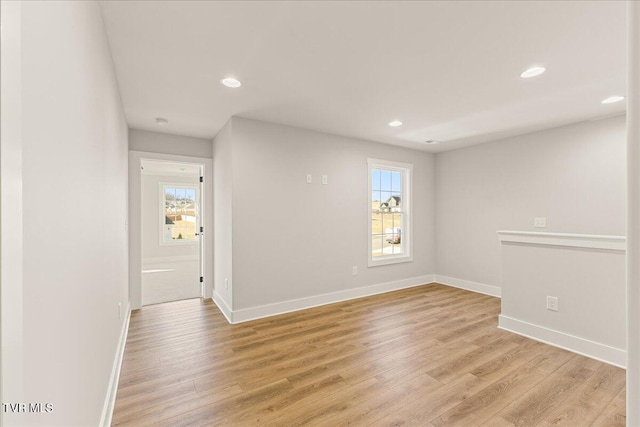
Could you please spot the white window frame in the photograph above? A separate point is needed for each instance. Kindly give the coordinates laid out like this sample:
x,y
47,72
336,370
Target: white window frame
x,y
407,218
163,187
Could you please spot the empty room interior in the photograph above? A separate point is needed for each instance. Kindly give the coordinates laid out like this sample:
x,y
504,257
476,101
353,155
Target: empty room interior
x,y
286,213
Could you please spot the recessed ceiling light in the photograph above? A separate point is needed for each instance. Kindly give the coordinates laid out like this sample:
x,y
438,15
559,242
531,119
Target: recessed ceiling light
x,y
431,142
231,82
395,123
161,121
612,99
532,72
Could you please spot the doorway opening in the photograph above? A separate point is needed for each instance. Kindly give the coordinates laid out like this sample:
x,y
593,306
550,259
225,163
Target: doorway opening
x,y
172,230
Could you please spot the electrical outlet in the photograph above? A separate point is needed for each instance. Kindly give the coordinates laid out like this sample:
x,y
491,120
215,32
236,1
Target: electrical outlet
x,y
354,272
309,178
226,283
552,303
540,222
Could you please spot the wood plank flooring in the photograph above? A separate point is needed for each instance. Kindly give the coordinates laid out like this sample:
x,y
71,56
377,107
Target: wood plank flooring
x,y
425,356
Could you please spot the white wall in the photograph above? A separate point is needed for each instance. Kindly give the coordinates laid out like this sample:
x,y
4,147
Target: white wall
x,y
11,223
74,177
586,274
223,217
572,175
294,240
156,142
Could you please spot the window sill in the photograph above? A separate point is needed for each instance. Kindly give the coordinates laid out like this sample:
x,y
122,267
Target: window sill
x,y
389,260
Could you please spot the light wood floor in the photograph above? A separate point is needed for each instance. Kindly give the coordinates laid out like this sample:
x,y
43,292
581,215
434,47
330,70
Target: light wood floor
x,y
425,356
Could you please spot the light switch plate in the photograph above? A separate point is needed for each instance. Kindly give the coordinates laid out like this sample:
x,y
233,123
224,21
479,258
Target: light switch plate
x,y
325,179
309,178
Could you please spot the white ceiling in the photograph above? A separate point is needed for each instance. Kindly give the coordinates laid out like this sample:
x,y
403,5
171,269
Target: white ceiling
x,y
449,70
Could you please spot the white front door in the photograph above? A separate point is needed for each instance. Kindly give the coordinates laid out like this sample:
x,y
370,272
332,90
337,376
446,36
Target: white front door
x,y
171,248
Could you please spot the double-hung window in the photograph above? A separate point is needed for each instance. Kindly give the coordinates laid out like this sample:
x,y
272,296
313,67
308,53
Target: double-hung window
x,y
389,212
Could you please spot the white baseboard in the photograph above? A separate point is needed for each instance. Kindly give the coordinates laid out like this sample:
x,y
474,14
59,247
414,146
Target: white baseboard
x,y
110,400
222,306
494,291
594,350
259,312
585,347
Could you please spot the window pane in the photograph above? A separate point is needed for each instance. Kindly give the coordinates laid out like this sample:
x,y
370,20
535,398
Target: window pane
x,y
392,229
189,230
385,178
177,232
375,199
169,194
396,182
169,200
398,229
376,222
384,201
375,179
376,245
189,208
387,248
398,249
386,223
395,202
181,195
191,195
